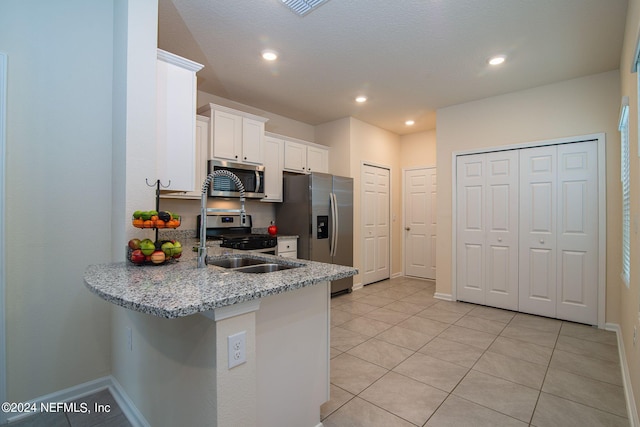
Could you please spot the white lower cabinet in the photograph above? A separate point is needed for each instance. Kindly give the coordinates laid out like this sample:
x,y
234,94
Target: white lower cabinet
x,y
288,247
527,230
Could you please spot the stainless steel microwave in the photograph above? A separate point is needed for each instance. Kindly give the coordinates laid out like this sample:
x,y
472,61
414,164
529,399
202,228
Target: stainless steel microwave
x,y
251,176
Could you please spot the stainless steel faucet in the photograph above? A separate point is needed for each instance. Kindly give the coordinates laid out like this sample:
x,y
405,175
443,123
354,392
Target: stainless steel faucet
x,y
202,248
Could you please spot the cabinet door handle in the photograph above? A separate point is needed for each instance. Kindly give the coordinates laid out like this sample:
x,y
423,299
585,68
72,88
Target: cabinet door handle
x,y
542,241
407,228
499,239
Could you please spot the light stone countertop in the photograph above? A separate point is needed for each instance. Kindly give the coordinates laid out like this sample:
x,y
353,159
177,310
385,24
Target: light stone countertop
x,y
179,288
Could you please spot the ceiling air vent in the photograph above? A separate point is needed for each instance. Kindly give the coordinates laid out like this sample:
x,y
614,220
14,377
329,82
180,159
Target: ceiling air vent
x,y
302,7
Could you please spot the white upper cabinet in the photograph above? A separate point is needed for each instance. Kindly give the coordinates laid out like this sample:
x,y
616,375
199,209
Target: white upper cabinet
x,y
303,157
317,159
235,135
200,170
176,122
273,163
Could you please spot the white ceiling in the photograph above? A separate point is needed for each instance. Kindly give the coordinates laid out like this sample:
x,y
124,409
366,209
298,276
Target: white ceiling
x,y
410,57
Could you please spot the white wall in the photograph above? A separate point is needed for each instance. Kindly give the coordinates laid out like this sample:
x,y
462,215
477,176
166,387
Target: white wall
x,y
629,318
418,149
59,132
337,136
575,107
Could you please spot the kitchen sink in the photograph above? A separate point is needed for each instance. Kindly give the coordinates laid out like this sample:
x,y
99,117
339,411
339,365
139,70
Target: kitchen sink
x,y
250,265
263,268
235,262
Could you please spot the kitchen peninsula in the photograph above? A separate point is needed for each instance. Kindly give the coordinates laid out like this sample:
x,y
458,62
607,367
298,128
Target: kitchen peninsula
x,y
184,359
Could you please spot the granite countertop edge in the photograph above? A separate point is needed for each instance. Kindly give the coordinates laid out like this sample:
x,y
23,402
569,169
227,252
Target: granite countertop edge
x,y
179,289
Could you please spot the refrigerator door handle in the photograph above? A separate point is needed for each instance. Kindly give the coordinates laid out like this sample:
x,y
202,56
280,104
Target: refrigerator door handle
x,y
335,225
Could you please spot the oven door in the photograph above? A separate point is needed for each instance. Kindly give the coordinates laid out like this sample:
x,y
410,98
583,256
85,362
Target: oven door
x,y
252,177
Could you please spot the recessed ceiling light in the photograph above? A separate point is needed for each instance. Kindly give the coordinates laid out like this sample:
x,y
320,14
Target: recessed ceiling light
x,y
269,55
410,123
361,99
497,60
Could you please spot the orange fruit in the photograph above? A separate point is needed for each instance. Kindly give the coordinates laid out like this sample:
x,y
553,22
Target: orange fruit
x,y
154,218
148,224
160,223
138,222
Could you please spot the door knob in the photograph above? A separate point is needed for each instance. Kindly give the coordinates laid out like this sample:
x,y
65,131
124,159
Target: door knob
x,y
407,228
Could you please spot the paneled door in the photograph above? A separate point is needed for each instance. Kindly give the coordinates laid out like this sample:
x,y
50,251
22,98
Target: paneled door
x,y
577,293
420,223
376,224
538,245
559,229
487,229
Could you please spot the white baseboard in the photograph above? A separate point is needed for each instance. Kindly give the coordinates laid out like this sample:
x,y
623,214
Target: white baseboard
x,y
129,410
445,297
357,286
632,410
396,275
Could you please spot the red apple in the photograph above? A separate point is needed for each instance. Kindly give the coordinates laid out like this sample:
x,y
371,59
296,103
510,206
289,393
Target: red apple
x,y
134,244
137,257
273,230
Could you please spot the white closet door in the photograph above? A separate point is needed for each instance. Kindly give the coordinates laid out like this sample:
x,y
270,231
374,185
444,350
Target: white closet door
x,y
559,231
501,239
470,245
538,183
487,226
577,276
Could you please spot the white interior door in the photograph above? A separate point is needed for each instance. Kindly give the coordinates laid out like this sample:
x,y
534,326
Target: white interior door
x,y
538,206
470,245
501,218
376,225
487,229
420,223
559,231
577,238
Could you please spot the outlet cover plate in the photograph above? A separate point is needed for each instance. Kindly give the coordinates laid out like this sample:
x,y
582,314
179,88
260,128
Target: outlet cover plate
x,y
237,345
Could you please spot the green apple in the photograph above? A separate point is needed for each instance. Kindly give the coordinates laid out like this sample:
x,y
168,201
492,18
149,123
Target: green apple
x,y
147,246
167,248
177,249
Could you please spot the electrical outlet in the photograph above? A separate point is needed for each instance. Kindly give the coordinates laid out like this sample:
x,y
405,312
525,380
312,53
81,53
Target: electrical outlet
x,y
237,344
129,339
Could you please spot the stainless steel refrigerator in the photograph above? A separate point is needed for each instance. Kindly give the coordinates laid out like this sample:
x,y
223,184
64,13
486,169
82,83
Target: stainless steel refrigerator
x,y
319,209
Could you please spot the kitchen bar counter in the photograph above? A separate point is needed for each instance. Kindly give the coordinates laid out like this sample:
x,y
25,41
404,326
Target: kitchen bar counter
x,y
179,288
282,319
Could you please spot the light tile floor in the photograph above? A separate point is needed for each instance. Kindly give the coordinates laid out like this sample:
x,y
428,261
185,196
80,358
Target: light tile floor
x,y
400,357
